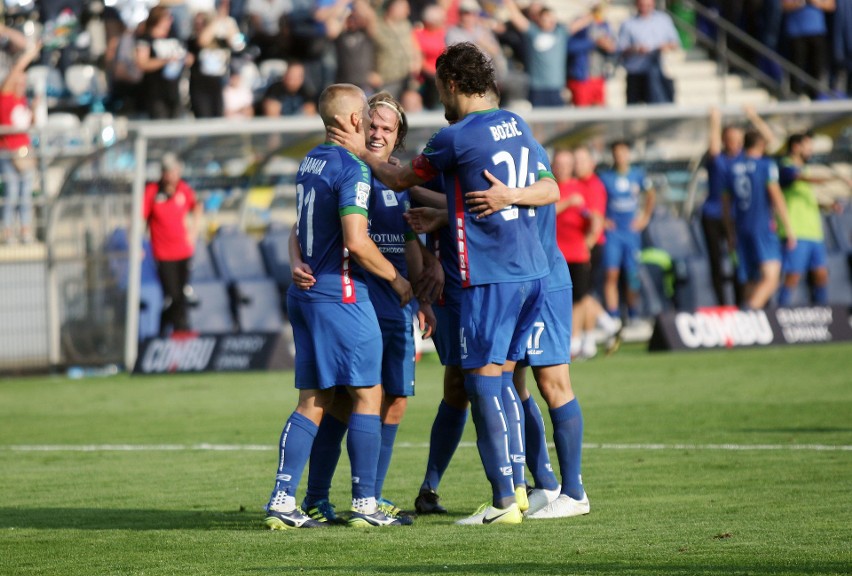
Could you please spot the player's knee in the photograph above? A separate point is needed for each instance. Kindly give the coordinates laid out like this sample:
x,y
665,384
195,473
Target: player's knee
x,y
791,280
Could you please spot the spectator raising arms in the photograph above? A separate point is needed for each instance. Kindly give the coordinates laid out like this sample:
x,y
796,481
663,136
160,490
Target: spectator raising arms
x,y
17,162
546,51
590,44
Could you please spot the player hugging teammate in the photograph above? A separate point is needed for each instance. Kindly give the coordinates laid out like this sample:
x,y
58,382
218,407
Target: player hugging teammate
x,y
510,301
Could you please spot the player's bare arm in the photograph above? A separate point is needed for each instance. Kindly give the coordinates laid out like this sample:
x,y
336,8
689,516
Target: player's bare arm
x,y
485,202
365,251
300,271
414,260
780,206
426,197
425,220
431,282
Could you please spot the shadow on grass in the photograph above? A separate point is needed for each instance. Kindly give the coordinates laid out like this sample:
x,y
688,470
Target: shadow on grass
x,y
135,519
581,566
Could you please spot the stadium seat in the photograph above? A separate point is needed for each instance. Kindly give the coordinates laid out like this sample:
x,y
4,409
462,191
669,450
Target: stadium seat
x,y
693,287
236,255
839,279
276,255
150,290
210,311
672,235
238,259
652,299
258,306
201,267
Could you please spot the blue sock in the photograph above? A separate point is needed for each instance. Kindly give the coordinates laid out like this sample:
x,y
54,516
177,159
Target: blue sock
x,y
614,314
568,437
515,420
388,438
538,458
446,434
820,295
293,452
492,439
364,443
324,457
784,296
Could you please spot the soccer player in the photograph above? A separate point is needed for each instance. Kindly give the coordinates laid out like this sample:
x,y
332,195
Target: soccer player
x,y
501,259
337,337
725,146
396,241
752,188
624,224
809,253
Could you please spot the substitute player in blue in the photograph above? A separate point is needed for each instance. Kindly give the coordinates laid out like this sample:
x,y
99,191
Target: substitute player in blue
x,y
751,194
337,336
624,224
396,241
501,260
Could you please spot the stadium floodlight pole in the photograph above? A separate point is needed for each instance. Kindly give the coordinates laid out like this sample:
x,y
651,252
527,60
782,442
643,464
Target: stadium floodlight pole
x,y
134,256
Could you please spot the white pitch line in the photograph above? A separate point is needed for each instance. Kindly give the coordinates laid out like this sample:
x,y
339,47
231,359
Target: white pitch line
x,y
419,445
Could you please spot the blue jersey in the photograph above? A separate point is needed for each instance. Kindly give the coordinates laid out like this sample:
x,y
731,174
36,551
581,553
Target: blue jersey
x,y
717,173
559,278
390,232
443,244
331,183
747,184
622,195
502,247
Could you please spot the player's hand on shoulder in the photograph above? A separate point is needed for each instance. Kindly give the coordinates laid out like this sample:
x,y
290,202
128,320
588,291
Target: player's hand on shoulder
x,y
486,202
303,276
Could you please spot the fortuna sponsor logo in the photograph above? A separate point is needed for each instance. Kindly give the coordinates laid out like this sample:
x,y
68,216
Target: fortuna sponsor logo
x,y
717,327
178,355
505,130
312,165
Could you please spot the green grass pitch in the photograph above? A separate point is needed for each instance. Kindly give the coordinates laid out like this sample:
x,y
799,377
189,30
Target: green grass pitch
x,y
717,463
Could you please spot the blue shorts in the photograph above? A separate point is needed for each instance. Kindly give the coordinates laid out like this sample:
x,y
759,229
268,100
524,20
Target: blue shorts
x,y
336,344
621,252
446,336
549,344
397,356
753,250
496,320
807,255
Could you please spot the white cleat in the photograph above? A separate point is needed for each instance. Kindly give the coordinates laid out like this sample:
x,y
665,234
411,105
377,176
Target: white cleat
x,y
563,507
539,498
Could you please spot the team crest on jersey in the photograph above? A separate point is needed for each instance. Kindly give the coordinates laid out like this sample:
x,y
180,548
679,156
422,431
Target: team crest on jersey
x,y
362,195
390,198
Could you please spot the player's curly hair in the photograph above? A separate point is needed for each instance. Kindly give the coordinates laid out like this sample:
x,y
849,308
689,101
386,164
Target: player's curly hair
x,y
468,67
386,99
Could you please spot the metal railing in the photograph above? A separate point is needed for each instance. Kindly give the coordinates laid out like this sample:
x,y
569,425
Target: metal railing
x,y
725,58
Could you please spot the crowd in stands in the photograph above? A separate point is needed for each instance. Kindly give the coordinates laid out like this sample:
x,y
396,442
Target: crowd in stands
x,y
236,58
239,58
